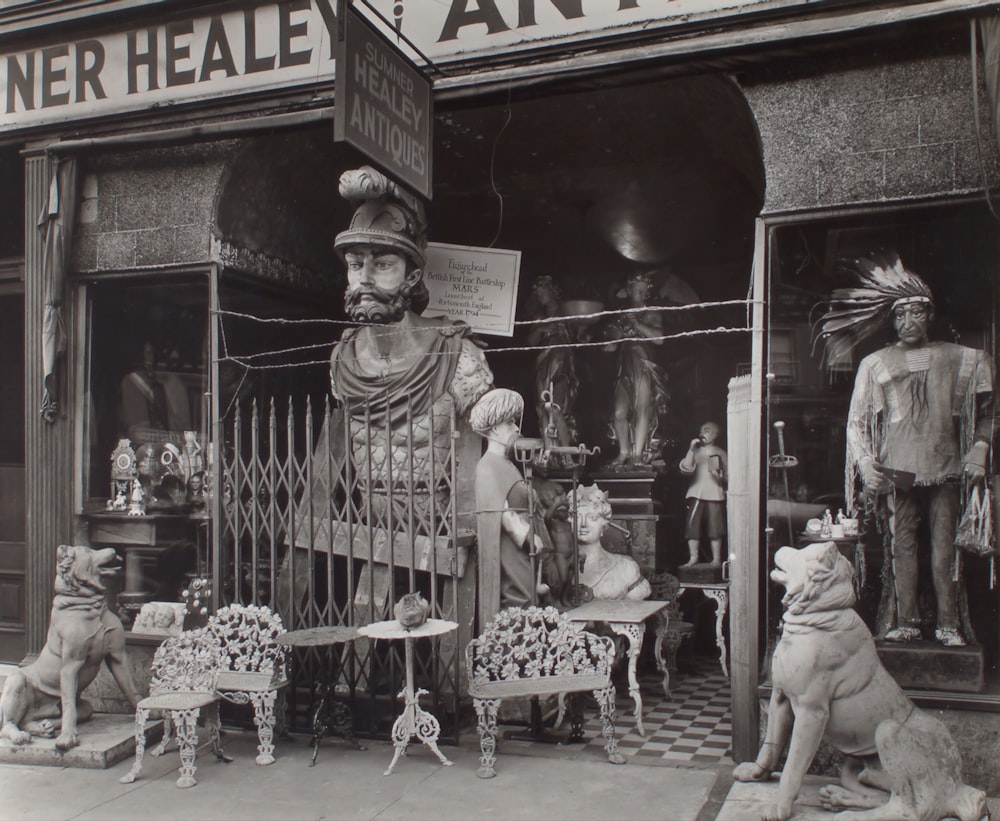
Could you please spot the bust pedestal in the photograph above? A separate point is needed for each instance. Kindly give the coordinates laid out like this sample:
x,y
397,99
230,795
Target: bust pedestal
x,y
635,503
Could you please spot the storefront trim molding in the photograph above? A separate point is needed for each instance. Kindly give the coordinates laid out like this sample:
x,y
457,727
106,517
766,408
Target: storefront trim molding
x,y
786,216
495,70
49,453
715,44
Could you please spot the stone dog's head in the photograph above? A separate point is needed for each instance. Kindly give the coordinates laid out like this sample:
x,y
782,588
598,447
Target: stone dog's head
x,y
816,578
80,570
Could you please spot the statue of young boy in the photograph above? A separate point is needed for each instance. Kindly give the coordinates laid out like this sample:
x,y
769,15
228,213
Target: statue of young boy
x,y
706,496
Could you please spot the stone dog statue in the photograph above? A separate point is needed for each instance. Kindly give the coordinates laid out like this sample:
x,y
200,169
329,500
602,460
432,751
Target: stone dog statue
x,y
828,683
83,634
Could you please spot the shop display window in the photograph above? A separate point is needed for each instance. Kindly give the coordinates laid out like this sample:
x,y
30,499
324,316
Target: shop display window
x,y
148,379
146,439
953,248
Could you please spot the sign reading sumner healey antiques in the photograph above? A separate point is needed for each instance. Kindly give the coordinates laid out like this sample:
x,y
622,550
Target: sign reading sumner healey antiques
x,y
383,104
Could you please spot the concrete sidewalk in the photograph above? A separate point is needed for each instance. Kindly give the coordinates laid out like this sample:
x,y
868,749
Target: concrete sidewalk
x,y
572,783
534,781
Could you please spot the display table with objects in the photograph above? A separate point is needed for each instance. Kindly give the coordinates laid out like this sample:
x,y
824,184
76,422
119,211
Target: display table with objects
x,y
627,618
414,720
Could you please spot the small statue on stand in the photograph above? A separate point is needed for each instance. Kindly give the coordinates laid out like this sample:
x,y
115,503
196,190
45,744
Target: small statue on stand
x,y
604,574
196,496
640,394
137,507
706,496
192,460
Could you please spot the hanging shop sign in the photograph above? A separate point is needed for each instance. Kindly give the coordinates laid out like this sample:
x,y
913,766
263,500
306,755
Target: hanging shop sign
x,y
383,104
475,285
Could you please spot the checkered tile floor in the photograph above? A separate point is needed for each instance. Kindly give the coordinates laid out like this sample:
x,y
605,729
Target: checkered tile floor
x,y
695,727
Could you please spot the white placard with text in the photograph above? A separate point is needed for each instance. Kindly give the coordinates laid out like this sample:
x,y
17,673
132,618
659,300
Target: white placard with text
x,y
475,285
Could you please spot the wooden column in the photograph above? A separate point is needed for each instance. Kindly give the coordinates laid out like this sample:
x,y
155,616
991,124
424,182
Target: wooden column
x,y
48,446
746,538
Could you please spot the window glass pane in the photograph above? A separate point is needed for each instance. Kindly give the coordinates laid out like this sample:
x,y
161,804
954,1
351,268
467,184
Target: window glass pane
x,y
147,379
909,415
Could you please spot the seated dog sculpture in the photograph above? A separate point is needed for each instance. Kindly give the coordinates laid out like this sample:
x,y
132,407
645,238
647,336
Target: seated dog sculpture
x,y
83,634
828,683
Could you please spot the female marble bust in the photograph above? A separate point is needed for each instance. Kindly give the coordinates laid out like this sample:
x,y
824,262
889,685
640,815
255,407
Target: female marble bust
x,y
607,575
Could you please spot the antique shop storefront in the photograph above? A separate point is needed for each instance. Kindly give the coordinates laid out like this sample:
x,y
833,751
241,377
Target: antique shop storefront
x,y
718,161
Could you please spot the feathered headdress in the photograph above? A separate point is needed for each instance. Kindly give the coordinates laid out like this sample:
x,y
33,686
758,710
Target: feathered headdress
x,y
857,313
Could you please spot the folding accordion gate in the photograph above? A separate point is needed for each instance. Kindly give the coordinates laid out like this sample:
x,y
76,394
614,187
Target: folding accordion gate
x,y
329,520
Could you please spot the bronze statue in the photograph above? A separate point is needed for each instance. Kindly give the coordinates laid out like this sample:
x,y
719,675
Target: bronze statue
x,y
640,394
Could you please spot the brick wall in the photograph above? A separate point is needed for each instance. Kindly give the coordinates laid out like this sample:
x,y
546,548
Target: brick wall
x,y
847,130
149,207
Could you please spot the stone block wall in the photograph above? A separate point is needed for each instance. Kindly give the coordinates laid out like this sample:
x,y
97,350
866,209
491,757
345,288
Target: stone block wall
x,y
843,130
148,207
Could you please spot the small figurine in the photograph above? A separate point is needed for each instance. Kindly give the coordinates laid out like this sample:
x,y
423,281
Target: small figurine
x,y
137,507
826,525
196,491
191,457
706,516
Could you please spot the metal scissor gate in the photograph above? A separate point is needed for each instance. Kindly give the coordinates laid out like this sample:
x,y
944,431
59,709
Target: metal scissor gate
x,y
330,515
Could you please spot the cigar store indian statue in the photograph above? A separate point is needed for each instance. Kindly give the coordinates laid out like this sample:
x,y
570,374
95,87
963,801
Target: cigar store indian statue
x,y
919,432
400,375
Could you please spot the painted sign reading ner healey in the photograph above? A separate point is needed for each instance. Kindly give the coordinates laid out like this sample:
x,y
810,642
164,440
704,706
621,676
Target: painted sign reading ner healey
x,y
475,285
266,45
383,104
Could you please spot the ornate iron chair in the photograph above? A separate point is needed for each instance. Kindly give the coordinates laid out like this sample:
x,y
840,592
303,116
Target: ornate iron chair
x,y
254,665
671,630
184,675
538,651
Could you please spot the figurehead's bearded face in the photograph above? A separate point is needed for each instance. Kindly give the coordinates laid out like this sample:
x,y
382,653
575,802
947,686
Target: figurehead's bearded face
x,y
379,284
